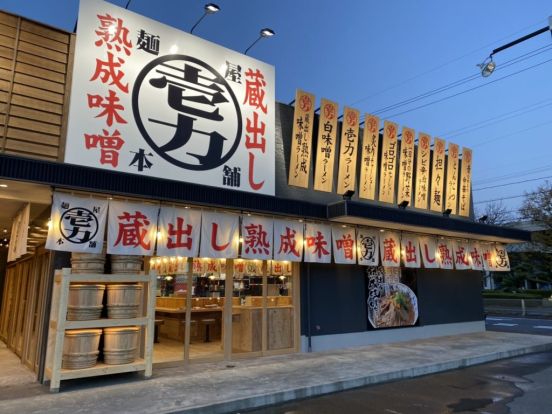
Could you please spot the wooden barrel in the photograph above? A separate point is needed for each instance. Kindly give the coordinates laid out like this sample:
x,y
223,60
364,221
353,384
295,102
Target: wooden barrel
x,y
121,264
87,262
120,345
80,348
84,302
123,301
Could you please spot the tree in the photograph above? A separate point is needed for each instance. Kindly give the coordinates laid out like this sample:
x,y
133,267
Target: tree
x,y
496,213
536,264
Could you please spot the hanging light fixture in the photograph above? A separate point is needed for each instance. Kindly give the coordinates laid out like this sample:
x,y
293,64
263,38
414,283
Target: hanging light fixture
x,y
209,8
264,33
487,67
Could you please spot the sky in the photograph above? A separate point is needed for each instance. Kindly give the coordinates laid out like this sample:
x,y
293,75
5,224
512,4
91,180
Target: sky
x,y
411,62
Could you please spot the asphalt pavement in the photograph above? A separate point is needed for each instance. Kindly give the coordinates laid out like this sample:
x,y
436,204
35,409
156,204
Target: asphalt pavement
x,y
518,386
532,326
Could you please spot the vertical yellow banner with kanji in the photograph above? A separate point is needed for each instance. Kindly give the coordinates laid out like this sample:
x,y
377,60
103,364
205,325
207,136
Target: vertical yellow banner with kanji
x,y
301,140
465,183
423,153
437,175
346,178
388,163
369,160
406,165
325,152
452,179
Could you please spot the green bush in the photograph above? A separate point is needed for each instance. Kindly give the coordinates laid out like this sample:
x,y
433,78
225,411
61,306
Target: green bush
x,y
509,295
541,293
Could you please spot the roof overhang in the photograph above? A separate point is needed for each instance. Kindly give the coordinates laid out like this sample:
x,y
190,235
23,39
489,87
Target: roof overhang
x,y
352,212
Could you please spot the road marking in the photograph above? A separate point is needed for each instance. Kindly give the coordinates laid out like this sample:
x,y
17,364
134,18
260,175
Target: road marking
x,y
505,324
542,327
497,319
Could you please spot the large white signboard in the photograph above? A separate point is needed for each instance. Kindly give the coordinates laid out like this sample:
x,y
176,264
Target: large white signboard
x,y
151,100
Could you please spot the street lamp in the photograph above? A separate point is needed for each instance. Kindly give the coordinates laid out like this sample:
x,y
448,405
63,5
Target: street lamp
x,y
266,32
488,66
209,8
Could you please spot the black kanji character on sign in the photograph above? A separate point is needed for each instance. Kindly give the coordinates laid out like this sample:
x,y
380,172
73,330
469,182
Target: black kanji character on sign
x,y
233,72
206,125
231,177
148,42
78,225
140,160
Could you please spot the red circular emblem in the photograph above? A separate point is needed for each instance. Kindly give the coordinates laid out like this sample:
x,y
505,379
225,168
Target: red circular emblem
x,y
425,141
351,119
305,103
391,131
467,156
408,137
329,111
372,125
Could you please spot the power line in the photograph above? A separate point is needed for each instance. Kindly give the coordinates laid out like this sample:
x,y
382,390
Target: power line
x,y
468,90
510,197
512,183
514,174
497,119
442,65
510,134
462,81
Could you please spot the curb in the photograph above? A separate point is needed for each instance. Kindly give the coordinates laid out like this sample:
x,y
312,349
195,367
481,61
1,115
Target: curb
x,y
258,401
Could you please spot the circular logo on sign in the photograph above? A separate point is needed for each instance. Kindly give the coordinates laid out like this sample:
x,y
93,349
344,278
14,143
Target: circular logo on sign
x,y
305,103
408,137
391,131
329,111
425,141
372,125
187,112
351,119
78,225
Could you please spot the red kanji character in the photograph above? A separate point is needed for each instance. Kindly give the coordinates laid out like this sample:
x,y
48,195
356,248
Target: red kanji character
x,y
390,251
476,257
109,144
178,232
255,186
318,242
461,257
108,70
239,266
214,245
254,89
110,31
288,244
133,233
110,105
444,252
277,267
410,253
256,239
212,266
346,243
255,139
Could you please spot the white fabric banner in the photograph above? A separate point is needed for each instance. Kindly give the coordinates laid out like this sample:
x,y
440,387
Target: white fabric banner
x,y
461,255
501,261
487,252
390,248
344,249
179,231
257,234
77,224
19,233
288,240
368,247
428,249
476,256
444,248
410,251
318,243
219,235
131,228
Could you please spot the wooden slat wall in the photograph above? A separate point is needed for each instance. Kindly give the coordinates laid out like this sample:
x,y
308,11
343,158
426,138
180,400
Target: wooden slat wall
x,y
35,64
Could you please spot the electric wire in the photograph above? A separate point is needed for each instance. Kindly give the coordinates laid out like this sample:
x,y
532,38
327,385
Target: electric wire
x,y
479,144
462,81
512,183
443,65
510,197
469,90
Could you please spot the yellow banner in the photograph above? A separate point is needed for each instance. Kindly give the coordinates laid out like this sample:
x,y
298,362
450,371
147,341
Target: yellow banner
x,y
348,151
421,196
406,165
369,160
301,140
452,178
388,163
325,153
437,175
465,182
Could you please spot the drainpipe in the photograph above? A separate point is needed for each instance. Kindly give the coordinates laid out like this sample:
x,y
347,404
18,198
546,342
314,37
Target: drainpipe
x,y
309,336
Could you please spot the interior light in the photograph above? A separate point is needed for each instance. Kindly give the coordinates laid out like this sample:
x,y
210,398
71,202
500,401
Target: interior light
x,y
4,185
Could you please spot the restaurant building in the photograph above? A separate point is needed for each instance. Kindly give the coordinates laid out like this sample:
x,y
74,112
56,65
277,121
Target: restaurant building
x,y
133,148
